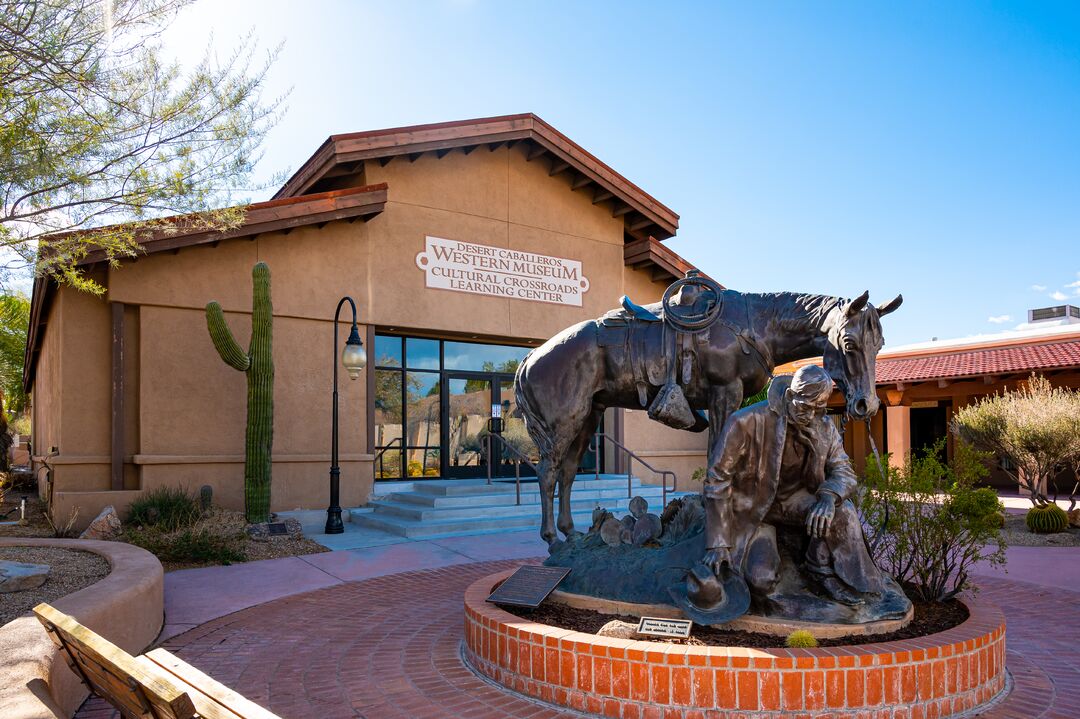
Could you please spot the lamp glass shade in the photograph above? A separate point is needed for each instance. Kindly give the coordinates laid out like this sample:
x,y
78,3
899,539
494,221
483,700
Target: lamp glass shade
x,y
353,357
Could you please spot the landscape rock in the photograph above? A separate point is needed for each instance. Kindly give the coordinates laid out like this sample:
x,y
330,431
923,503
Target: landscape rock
x,y
611,531
646,529
638,507
105,526
1074,518
618,629
20,576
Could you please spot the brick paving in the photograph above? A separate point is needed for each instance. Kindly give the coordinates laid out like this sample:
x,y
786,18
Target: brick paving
x,y
389,647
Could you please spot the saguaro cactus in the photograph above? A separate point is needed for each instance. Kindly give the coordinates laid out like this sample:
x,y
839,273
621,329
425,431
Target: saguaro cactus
x,y
258,364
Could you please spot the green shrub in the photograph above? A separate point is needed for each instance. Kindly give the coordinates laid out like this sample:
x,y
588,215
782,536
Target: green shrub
x,y
926,523
1047,519
165,508
800,639
188,545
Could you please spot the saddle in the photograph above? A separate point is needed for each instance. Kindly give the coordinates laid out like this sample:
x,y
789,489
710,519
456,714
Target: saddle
x,y
690,306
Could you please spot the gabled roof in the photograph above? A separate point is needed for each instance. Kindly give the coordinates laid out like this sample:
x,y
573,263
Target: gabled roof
x,y
643,215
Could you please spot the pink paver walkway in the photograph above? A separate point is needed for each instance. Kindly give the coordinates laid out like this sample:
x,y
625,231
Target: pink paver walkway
x,y
387,644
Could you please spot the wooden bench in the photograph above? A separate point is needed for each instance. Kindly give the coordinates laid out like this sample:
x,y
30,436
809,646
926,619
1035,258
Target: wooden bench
x,y
156,685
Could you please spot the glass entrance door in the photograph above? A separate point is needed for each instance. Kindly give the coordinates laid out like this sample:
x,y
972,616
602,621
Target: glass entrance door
x,y
466,411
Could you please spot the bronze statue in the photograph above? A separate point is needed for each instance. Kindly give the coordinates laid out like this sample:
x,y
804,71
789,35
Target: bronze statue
x,y
779,466
702,347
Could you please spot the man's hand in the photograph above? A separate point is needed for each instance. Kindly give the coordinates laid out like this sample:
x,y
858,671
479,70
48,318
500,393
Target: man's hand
x,y
717,557
821,515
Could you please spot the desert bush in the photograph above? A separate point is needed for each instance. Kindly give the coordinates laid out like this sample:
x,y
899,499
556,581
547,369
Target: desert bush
x,y
926,523
800,638
1036,428
188,545
165,508
62,529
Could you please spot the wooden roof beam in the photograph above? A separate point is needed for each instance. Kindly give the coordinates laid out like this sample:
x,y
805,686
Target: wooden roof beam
x,y
621,209
536,151
414,156
493,146
444,152
384,161
558,166
601,195
640,224
580,181
469,148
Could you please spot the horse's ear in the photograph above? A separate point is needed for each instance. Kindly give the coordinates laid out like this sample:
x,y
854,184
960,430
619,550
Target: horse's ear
x,y
891,305
857,304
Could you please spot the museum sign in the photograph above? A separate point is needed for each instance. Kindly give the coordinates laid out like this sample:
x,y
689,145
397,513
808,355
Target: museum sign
x,y
501,272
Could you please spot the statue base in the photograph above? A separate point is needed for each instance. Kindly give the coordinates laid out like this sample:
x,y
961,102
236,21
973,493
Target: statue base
x,y
632,574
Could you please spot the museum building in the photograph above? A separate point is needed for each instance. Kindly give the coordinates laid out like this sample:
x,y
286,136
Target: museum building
x,y
464,244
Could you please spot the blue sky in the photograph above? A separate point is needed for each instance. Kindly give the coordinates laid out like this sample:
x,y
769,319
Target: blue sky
x,y
925,148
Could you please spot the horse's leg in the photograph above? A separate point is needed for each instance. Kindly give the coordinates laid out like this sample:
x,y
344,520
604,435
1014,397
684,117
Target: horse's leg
x,y
723,400
545,473
568,470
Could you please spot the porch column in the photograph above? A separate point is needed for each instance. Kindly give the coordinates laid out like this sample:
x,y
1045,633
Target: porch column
x,y
898,422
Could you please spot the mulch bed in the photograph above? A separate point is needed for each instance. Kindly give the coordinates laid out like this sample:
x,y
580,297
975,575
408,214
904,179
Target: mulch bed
x,y
69,571
929,619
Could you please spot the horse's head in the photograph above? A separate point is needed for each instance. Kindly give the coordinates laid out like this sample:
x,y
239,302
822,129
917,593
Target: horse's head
x,y
854,339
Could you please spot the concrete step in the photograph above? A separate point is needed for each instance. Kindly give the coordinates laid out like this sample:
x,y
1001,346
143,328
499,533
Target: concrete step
x,y
458,527
529,495
421,513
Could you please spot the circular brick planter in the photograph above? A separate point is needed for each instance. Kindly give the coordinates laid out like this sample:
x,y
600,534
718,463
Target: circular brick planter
x,y
940,675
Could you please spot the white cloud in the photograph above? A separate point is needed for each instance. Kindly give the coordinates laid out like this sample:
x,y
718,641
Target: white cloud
x,y
1074,284
1058,295
1039,288
999,319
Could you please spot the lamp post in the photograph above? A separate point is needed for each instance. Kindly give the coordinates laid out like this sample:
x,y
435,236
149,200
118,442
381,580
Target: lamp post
x,y
353,358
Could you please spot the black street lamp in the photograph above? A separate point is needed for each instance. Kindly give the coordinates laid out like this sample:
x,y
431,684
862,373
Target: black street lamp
x,y
353,358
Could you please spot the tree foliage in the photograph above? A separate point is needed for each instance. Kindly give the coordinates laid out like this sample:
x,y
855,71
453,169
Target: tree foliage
x,y
97,128
14,319
1036,428
927,524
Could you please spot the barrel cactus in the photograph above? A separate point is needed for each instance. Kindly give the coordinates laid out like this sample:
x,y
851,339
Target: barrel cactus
x,y
258,364
1046,519
801,639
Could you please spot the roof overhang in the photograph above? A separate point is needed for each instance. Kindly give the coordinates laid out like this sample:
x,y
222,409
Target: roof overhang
x,y
259,217
642,214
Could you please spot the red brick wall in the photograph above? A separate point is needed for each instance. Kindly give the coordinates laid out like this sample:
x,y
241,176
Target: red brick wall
x,y
936,676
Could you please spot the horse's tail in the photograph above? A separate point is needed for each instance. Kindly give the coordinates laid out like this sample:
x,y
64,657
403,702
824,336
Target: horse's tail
x,y
534,422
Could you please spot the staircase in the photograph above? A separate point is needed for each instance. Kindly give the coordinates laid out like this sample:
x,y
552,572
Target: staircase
x,y
439,508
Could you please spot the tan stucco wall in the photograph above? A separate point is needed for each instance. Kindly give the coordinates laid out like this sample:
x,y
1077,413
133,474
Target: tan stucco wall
x,y
186,413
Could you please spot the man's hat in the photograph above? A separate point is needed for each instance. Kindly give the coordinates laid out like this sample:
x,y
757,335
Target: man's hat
x,y
708,599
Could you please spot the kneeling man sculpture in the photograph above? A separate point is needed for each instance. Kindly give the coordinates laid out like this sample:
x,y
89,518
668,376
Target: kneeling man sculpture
x,y
779,473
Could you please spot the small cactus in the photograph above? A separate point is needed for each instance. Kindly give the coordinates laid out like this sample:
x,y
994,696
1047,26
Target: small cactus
x,y
1047,519
800,639
206,497
258,364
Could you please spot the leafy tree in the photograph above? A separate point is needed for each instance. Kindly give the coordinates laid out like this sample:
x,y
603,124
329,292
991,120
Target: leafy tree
x,y
14,319
1036,428
96,127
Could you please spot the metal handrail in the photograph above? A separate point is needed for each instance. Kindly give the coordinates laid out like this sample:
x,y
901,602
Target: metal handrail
x,y
378,455
521,456
595,443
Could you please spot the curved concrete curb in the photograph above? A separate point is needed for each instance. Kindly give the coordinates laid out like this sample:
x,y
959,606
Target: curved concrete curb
x,y
126,607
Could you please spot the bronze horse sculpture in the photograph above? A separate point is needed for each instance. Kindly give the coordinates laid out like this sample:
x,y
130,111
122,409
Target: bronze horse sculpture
x,y
720,347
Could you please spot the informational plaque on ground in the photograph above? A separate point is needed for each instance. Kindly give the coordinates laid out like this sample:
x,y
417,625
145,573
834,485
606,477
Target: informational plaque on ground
x,y
501,272
528,586
657,627
277,528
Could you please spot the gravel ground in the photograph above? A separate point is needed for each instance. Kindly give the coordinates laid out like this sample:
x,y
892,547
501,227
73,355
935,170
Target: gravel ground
x,y
1016,534
71,570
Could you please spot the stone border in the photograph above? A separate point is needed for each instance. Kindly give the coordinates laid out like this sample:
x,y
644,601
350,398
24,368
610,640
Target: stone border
x,y
126,607
745,623
940,675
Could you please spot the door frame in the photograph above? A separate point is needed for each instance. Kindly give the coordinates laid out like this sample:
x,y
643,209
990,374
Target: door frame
x,y
494,380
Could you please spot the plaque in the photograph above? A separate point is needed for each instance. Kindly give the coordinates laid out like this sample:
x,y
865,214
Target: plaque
x,y
672,628
528,586
277,528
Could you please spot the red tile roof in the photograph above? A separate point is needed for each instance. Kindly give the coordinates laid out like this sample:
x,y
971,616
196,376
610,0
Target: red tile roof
x,y
995,360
